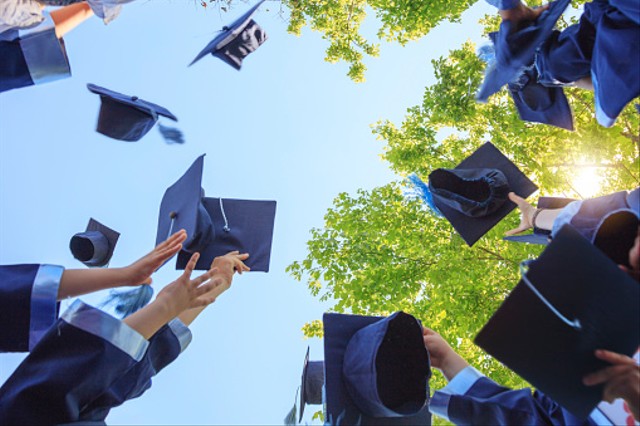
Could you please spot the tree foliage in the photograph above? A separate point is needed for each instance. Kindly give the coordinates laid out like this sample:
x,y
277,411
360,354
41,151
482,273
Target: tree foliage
x,y
379,252
340,22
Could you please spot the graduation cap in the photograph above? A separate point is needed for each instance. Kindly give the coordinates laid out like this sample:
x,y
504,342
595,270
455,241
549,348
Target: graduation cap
x,y
312,383
473,197
236,41
377,370
215,226
572,301
126,118
94,247
516,48
540,104
541,236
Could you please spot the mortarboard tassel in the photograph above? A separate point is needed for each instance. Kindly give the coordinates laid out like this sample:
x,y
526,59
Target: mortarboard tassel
x,y
128,302
421,190
171,135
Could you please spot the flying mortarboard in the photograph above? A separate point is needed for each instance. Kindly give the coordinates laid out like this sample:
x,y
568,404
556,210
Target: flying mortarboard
x,y
94,247
473,197
541,236
516,48
126,118
236,41
312,383
215,226
540,104
377,370
572,301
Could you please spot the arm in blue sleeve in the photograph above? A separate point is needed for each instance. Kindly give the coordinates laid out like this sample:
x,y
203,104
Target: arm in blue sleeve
x,y
28,305
75,362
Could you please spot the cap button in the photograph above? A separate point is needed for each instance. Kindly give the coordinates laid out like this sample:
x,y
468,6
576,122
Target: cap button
x,y
134,98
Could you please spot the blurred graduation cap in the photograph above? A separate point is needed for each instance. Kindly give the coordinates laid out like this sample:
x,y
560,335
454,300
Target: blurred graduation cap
x,y
215,226
516,47
377,370
541,236
473,197
572,301
236,41
129,118
94,247
540,104
310,390
312,383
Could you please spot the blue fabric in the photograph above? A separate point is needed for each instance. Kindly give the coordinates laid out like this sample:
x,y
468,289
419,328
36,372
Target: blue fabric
x,y
14,72
164,348
592,212
16,287
64,372
504,4
486,403
605,45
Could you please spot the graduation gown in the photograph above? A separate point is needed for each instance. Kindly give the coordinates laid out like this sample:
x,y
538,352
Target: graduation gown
x,y
471,398
87,363
605,45
28,305
32,56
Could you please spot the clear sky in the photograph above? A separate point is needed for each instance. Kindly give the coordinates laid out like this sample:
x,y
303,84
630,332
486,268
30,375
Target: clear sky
x,y
287,127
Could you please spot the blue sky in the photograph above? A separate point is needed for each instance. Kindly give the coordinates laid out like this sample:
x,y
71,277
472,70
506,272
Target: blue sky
x,y
288,127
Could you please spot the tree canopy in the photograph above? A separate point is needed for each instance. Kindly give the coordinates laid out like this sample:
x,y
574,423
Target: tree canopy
x,y
380,251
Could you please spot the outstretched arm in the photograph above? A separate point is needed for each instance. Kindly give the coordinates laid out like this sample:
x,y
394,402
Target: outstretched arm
x,y
528,217
76,282
182,294
68,17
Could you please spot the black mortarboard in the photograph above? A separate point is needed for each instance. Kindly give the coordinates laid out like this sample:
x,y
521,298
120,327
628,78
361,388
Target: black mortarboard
x,y
572,301
377,370
540,104
236,41
516,48
94,247
312,383
473,197
541,236
215,226
126,118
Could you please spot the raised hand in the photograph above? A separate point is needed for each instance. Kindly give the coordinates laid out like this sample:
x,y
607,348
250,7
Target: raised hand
x,y
186,293
526,214
621,379
140,271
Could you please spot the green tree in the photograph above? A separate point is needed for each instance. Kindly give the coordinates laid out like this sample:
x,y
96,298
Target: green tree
x,y
340,23
379,252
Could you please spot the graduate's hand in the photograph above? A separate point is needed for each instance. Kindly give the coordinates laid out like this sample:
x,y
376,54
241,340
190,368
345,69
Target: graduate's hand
x,y
140,271
526,214
442,356
186,293
621,380
522,14
230,263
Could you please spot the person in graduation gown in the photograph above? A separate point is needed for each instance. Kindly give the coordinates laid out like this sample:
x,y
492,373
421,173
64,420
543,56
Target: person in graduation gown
x,y
29,294
600,53
472,398
589,217
90,361
37,54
